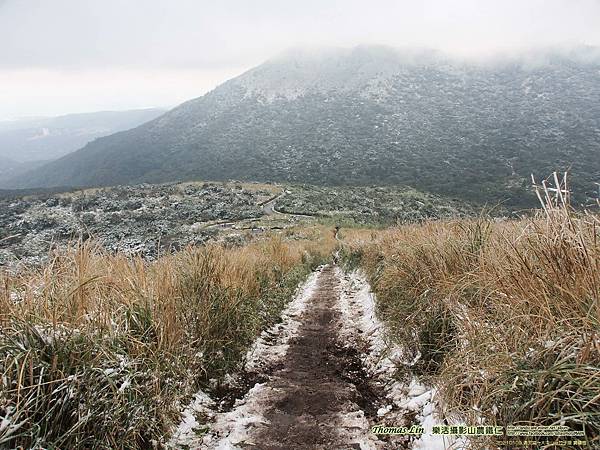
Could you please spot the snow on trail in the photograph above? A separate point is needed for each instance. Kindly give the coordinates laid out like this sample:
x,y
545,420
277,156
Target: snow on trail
x,y
326,375
381,358
234,424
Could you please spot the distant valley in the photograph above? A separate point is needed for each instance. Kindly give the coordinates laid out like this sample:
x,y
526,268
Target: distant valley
x,y
26,144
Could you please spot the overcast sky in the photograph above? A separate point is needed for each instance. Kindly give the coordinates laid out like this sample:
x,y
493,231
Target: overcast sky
x,y
61,56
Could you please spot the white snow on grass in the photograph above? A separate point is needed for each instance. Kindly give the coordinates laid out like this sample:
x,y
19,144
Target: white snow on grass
x,y
186,432
264,351
381,358
229,429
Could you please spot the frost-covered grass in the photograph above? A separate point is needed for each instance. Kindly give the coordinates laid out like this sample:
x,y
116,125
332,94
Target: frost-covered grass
x,y
501,317
360,206
99,350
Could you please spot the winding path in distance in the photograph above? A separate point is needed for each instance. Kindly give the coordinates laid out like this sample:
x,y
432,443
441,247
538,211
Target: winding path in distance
x,y
268,209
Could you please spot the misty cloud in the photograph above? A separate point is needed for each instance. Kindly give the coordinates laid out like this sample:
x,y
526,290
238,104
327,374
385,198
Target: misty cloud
x,y
75,33
71,36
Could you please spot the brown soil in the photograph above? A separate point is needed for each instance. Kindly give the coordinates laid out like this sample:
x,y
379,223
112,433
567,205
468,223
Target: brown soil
x,y
317,395
319,377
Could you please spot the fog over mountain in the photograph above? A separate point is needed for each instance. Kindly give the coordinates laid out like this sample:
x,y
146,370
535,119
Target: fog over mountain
x,y
68,56
368,115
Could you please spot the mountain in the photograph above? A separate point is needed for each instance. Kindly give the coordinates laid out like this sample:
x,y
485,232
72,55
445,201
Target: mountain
x,y
10,168
7,166
43,139
370,115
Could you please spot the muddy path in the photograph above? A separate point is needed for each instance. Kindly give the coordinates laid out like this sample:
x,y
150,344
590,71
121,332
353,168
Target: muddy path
x,y
320,379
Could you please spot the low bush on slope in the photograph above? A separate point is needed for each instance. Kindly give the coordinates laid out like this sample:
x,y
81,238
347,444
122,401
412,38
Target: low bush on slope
x,y
503,317
99,350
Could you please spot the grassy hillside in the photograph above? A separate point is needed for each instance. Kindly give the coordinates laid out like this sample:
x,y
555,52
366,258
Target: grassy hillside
x,y
502,317
373,205
99,350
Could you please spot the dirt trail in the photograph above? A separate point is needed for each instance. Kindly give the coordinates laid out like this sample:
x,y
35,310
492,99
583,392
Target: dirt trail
x,y
268,209
318,380
315,382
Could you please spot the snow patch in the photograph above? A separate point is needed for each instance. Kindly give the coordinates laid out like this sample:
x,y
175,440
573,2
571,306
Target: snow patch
x,y
229,429
263,350
185,433
232,428
382,357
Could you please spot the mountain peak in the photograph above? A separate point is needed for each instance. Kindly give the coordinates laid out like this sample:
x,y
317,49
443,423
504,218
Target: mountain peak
x,y
300,70
366,115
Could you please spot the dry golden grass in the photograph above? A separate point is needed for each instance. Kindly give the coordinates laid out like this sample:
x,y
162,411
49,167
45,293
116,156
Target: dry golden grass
x,y
505,314
97,350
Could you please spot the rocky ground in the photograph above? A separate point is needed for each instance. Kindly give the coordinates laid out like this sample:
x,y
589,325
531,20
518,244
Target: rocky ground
x,y
143,219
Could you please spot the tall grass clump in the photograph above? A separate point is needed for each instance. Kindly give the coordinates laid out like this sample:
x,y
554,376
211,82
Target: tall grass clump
x,y
501,316
99,350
